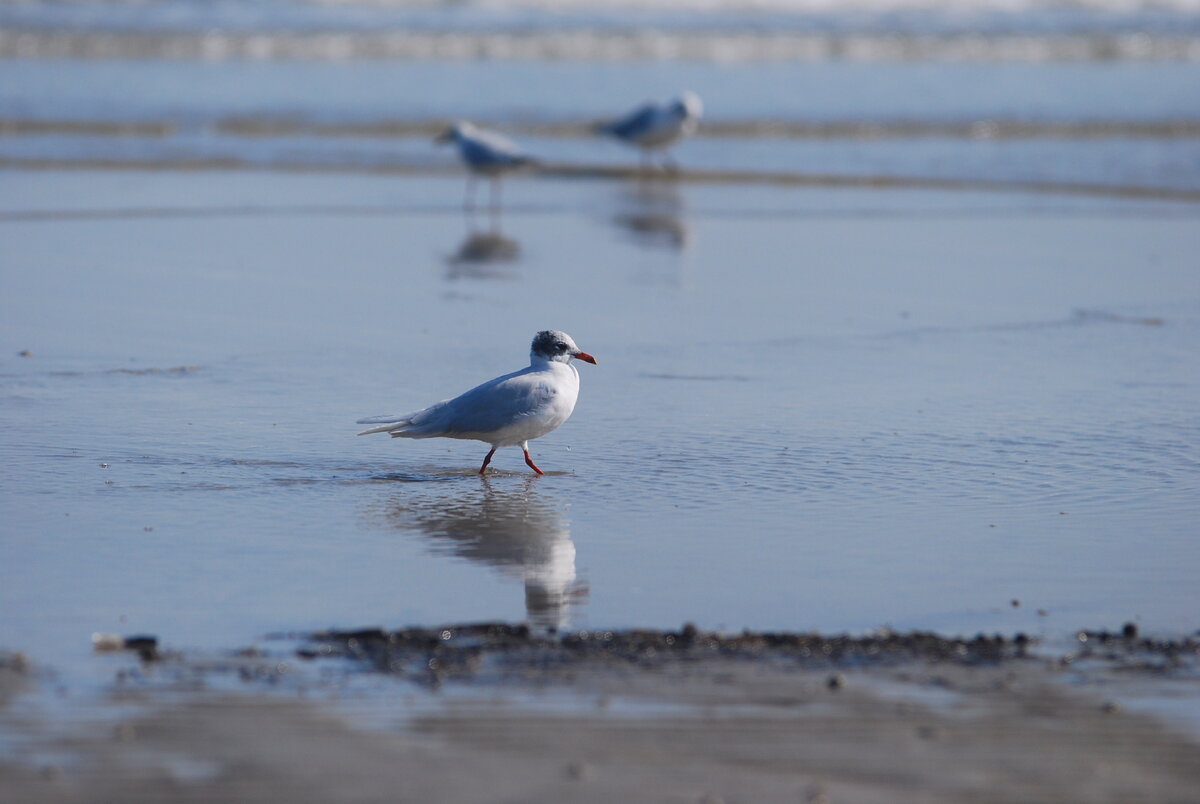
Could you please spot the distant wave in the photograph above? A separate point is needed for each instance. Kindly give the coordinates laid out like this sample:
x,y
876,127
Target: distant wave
x,y
584,45
792,6
610,30
254,7
898,16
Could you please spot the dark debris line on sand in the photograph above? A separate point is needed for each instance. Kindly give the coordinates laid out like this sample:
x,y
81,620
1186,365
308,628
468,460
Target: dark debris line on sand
x,y
498,651
501,652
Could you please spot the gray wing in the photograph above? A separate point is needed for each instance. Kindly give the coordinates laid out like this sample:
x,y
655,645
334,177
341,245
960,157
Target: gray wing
x,y
634,124
496,404
486,148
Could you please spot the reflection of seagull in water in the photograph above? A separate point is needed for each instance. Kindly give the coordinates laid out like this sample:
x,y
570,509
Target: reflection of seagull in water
x,y
485,153
655,127
481,254
654,215
510,530
508,411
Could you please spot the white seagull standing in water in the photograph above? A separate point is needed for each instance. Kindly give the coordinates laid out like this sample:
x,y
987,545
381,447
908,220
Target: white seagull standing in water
x,y
485,153
655,127
507,411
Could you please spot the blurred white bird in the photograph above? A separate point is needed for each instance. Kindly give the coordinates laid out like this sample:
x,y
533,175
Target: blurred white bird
x,y
655,127
507,411
485,153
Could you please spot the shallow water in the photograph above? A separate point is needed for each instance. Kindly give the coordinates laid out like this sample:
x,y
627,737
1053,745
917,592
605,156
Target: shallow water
x,y
813,409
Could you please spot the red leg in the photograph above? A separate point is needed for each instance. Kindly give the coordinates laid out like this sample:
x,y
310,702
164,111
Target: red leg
x,y
487,460
529,462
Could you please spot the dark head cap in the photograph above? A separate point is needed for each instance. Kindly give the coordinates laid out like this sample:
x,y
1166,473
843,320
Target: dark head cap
x,y
556,345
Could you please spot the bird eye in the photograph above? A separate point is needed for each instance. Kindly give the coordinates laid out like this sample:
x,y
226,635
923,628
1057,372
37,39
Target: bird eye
x,y
560,346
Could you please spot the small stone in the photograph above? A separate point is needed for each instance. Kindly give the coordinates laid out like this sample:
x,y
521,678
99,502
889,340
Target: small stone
x,y
141,642
1110,707
836,681
580,771
1016,604
815,794
16,662
1130,631
25,353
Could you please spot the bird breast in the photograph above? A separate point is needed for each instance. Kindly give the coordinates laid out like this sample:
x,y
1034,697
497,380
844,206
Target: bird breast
x,y
550,402
558,396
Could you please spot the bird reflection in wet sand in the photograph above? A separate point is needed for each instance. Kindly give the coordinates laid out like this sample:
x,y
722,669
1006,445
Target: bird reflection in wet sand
x,y
652,215
512,529
483,255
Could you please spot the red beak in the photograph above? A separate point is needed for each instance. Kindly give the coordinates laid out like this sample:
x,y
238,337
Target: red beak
x,y
584,356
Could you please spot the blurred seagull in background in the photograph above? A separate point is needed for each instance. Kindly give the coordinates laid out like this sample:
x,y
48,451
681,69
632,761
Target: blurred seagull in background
x,y
655,127
485,153
508,411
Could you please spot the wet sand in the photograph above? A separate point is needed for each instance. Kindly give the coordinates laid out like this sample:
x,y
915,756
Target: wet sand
x,y
610,173
690,726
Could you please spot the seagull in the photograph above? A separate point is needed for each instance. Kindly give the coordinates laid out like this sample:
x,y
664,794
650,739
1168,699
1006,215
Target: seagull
x,y
486,153
654,127
508,411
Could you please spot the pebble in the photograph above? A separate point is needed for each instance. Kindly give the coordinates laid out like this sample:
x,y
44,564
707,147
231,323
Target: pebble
x,y
815,794
580,771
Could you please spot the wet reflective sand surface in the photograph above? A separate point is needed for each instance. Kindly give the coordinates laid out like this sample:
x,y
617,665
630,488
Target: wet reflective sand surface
x,y
817,410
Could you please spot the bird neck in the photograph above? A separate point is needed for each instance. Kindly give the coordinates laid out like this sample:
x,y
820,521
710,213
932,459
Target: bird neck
x,y
541,363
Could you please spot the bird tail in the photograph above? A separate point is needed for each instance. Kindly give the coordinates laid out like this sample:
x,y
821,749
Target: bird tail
x,y
395,425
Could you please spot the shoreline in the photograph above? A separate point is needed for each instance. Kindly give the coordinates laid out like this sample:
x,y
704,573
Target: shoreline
x,y
970,724
552,170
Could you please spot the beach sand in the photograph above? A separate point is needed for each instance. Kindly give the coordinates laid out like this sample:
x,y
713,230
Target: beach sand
x,y
704,730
